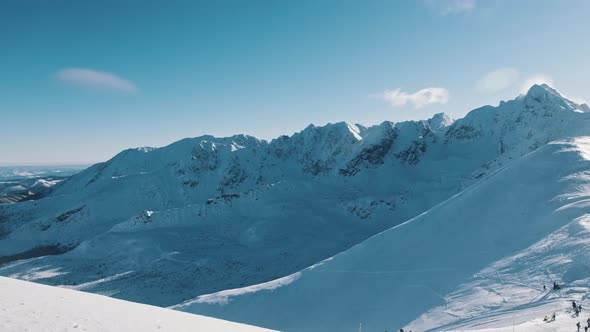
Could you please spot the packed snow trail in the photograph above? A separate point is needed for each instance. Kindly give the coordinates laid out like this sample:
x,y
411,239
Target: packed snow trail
x,y
486,251
26,306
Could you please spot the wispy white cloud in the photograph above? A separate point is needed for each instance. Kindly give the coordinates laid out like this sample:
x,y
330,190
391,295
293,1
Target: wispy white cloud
x,y
535,79
96,79
420,98
450,7
498,80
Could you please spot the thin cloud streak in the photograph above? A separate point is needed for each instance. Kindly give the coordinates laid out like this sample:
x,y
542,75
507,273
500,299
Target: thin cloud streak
x,y
452,7
498,80
419,99
96,79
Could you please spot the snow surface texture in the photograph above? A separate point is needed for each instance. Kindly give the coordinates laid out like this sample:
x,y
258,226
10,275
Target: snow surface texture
x,y
207,214
478,260
26,306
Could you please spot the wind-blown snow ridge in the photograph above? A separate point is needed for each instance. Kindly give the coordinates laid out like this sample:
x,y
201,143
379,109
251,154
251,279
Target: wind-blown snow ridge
x,y
223,296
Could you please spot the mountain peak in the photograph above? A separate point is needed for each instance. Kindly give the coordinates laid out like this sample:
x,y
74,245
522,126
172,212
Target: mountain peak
x,y
339,128
543,89
440,121
543,94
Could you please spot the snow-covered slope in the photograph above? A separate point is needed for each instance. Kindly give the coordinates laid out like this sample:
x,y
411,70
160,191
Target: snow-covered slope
x,y
477,260
205,214
26,306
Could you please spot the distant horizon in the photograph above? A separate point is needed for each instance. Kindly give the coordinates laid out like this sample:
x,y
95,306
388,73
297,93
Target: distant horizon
x,y
33,164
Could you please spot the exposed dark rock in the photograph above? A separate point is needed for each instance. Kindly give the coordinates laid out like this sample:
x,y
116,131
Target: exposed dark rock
x,y
64,216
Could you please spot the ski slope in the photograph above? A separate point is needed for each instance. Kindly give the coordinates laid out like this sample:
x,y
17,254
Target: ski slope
x,y
476,261
31,307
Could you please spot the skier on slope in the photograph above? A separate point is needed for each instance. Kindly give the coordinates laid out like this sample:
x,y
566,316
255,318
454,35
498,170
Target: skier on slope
x,y
574,304
578,325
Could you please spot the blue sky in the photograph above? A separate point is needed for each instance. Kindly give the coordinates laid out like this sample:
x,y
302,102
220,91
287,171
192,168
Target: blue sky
x,y
82,80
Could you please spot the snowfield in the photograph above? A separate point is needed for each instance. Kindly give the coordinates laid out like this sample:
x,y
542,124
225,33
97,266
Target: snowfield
x,y
478,260
26,306
427,225
206,214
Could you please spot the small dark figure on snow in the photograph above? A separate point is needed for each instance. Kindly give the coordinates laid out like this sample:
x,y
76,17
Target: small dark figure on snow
x,y
585,328
579,307
578,325
553,317
588,322
574,305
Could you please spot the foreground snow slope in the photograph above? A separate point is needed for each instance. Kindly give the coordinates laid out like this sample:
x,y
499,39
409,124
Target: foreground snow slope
x,y
26,306
482,254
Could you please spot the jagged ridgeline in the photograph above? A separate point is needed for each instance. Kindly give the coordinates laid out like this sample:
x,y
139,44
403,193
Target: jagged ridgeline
x,y
205,214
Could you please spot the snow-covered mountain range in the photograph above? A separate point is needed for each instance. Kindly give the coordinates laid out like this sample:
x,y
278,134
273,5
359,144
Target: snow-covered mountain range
x,y
18,183
16,173
203,215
